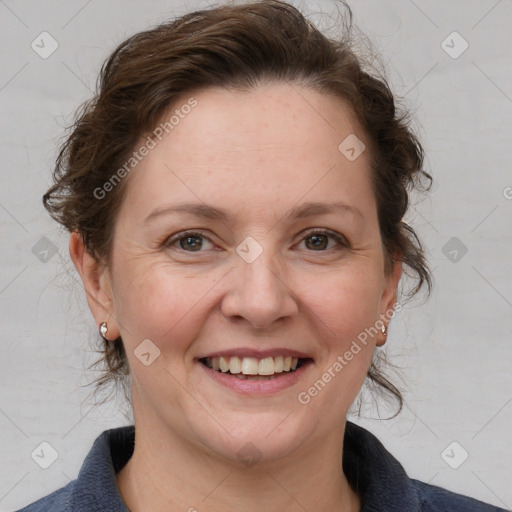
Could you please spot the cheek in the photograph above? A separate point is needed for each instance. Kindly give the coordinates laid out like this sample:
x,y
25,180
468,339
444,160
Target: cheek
x,y
345,307
346,301
153,300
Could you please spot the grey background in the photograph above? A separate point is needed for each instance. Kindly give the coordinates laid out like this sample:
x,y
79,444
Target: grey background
x,y
455,351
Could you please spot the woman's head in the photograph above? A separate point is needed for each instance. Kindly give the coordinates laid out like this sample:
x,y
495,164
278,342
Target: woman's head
x,y
250,110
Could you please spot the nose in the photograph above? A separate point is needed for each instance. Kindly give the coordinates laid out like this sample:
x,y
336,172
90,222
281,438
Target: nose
x,y
259,293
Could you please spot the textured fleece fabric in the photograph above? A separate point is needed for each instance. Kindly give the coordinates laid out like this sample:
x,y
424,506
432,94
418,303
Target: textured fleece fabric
x,y
372,471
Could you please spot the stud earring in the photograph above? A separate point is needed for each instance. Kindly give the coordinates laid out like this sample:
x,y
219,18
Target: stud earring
x,y
383,329
103,330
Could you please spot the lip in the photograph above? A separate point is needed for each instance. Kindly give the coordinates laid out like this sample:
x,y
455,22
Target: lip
x,y
258,354
257,387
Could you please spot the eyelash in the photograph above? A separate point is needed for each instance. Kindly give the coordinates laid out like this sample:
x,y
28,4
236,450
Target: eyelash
x,y
340,239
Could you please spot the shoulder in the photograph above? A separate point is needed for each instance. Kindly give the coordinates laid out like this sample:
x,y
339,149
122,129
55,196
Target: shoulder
x,y
437,499
56,501
95,488
68,499
384,485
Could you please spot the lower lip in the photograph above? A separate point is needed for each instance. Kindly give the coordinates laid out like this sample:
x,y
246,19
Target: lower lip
x,y
261,387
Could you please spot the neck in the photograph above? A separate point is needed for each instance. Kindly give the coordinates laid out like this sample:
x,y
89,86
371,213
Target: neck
x,y
167,474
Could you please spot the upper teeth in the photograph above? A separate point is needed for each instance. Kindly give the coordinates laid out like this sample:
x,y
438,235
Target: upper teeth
x,y
253,365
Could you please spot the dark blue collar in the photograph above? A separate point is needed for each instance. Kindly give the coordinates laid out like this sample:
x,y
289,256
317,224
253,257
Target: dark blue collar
x,y
371,470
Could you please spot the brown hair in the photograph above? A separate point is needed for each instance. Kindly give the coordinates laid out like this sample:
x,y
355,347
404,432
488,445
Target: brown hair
x,y
236,47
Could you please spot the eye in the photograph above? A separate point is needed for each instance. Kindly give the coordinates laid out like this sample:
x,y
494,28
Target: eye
x,y
190,241
318,240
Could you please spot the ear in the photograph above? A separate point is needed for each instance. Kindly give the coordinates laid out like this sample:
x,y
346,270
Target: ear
x,y
388,298
96,280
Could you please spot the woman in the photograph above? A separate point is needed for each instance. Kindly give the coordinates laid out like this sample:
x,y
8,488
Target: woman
x,y
235,195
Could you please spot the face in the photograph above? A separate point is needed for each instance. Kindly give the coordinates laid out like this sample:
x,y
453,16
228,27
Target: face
x,y
247,240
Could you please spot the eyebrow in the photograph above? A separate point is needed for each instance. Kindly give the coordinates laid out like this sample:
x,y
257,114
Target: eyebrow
x,y
302,211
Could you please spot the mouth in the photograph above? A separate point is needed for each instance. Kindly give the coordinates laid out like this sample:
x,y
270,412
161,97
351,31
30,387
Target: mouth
x,y
253,368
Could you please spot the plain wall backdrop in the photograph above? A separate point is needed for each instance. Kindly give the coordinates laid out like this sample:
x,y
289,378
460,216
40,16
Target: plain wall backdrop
x,y
451,61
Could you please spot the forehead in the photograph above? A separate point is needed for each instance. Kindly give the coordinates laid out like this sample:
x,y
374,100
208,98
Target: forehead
x,y
275,116
275,139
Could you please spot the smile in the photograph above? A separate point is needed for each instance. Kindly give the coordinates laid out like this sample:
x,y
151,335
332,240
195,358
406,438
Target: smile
x,y
252,367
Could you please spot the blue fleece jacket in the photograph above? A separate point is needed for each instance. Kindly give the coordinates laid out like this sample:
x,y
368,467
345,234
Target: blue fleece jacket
x,y
371,470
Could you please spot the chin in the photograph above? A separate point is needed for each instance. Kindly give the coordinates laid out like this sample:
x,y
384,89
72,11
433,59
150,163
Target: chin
x,y
261,438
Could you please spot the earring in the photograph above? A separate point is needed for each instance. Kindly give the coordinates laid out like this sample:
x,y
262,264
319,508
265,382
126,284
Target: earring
x,y
383,329
103,330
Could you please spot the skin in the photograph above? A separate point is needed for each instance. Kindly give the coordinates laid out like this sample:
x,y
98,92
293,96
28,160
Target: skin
x,y
257,154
